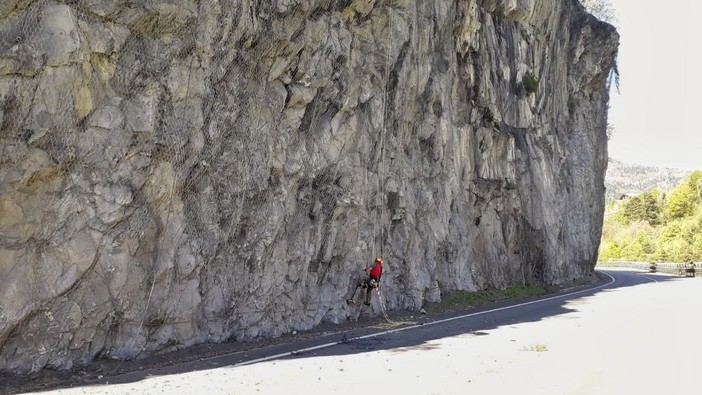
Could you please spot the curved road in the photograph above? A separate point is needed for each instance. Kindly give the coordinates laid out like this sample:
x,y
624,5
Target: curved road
x,y
634,333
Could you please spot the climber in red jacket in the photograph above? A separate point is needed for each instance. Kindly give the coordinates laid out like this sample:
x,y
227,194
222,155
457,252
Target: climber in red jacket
x,y
374,272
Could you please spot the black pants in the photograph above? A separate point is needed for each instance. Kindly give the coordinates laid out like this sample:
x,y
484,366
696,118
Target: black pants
x,y
369,285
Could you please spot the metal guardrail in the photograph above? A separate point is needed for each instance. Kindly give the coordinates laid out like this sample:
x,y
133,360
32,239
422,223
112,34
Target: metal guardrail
x,y
690,269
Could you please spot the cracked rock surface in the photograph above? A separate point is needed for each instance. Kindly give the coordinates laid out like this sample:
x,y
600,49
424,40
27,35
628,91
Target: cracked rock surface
x,y
175,172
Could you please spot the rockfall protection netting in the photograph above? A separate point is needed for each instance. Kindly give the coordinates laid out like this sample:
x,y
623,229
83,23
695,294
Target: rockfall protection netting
x,y
115,140
175,172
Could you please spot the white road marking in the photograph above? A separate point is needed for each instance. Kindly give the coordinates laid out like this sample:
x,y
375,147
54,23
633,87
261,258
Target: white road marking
x,y
650,278
308,349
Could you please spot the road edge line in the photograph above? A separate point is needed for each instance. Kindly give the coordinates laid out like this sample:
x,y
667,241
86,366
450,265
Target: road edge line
x,y
441,321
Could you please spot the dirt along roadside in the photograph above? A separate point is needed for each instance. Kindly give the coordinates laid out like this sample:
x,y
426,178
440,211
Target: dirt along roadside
x,y
105,368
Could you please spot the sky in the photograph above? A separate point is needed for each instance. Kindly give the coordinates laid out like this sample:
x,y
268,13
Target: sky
x,y
660,67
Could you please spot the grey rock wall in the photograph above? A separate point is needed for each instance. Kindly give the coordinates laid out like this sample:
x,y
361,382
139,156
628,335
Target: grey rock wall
x,y
175,172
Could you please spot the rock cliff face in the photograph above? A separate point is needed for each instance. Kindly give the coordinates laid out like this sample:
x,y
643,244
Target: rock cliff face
x,y
180,171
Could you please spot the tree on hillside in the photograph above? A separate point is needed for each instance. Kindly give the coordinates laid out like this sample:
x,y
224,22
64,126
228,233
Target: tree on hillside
x,y
653,206
637,248
655,225
644,207
609,252
633,209
688,229
670,232
675,251
695,183
697,247
632,179
681,202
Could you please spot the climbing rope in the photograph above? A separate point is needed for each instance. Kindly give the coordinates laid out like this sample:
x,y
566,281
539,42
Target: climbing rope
x,y
390,323
382,169
378,234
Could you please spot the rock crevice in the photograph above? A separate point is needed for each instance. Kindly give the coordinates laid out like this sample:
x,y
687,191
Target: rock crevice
x,y
178,172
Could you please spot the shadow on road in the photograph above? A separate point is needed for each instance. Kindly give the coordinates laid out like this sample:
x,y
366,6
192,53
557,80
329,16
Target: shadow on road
x,y
477,321
415,336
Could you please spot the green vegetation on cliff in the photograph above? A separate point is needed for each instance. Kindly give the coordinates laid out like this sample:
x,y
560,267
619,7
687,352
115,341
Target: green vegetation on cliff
x,y
655,226
465,298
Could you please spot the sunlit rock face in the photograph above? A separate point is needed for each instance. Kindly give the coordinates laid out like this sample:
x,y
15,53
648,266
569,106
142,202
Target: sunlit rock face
x,y
175,172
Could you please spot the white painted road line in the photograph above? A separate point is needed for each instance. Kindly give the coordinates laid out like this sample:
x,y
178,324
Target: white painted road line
x,y
650,278
405,328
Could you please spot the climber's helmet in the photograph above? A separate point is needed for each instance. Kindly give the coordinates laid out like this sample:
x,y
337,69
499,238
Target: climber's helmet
x,y
379,260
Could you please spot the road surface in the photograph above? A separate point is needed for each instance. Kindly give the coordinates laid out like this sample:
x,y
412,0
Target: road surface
x,y
635,333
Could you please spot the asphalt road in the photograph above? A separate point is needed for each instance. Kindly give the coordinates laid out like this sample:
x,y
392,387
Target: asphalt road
x,y
634,333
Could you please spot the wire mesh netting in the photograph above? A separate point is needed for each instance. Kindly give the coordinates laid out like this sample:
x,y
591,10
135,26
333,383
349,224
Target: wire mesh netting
x,y
176,171
150,160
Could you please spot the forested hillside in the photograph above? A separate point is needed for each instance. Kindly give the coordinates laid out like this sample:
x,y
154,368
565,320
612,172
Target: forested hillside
x,y
655,225
632,180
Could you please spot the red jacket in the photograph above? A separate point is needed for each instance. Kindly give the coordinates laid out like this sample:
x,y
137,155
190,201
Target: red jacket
x,y
376,270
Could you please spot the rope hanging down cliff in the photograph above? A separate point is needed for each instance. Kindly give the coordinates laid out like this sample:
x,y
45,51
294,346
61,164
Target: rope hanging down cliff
x,y
382,168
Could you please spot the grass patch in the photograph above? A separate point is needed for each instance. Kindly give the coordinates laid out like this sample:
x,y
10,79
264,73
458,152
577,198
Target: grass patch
x,y
581,281
530,83
460,298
